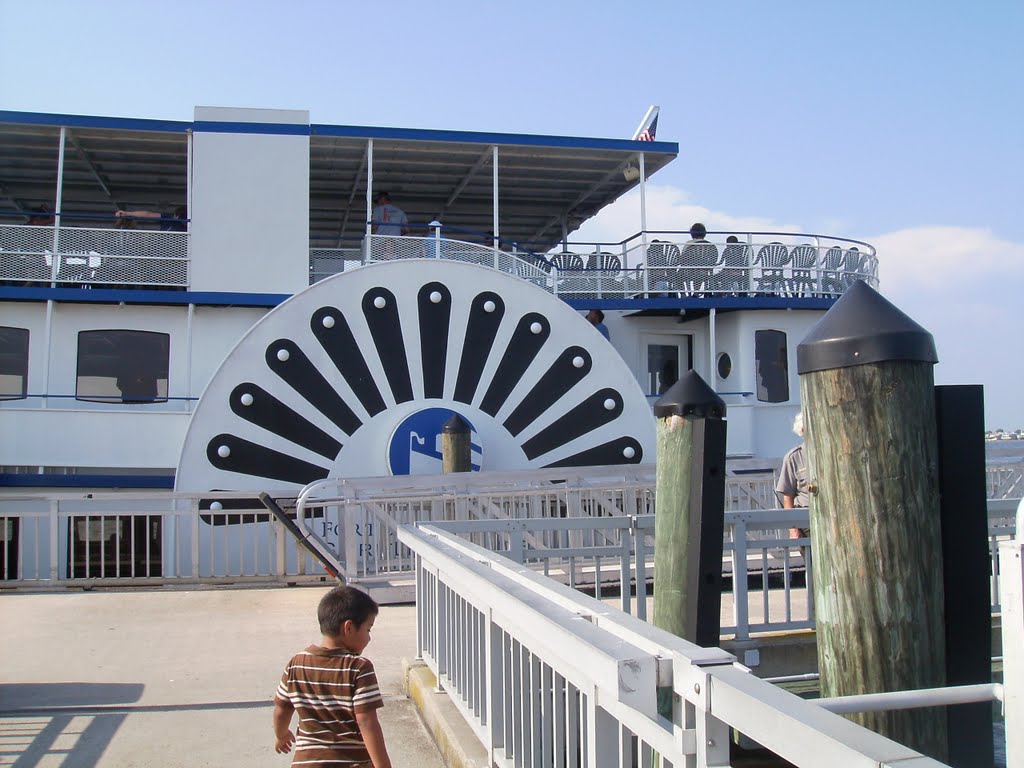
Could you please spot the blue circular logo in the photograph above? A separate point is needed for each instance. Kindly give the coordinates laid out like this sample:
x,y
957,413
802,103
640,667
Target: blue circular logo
x,y
415,447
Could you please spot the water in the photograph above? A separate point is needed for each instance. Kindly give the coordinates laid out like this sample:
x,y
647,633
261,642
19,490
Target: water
x,y
1004,451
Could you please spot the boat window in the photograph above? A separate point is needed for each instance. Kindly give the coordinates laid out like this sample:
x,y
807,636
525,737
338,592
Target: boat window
x,y
122,366
13,363
771,361
663,366
724,365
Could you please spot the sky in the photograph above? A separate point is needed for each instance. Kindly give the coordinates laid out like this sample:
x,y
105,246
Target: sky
x,y
898,123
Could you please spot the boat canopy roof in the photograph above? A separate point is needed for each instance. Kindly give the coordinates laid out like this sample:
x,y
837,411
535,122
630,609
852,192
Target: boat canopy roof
x,y
545,182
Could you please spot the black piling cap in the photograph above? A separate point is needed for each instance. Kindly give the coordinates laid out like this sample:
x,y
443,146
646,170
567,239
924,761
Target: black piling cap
x,y
456,425
863,327
690,396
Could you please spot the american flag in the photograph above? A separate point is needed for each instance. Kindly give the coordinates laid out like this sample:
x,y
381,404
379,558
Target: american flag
x,y
647,134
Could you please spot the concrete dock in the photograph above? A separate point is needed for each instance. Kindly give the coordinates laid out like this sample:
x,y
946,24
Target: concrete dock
x,y
173,677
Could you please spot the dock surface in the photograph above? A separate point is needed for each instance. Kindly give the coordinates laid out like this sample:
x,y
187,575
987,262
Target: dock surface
x,y
174,677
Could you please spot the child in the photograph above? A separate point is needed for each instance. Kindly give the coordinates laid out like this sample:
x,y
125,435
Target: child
x,y
334,690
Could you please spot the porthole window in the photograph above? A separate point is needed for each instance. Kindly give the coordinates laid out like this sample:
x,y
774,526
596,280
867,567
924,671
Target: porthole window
x,y
13,363
771,361
724,365
122,366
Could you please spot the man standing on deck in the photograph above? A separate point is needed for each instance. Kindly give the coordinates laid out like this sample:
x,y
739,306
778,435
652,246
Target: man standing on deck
x,y
388,219
792,482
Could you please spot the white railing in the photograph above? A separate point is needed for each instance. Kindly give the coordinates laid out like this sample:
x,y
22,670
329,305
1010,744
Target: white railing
x,y
39,255
121,538
324,262
769,263
547,676
591,528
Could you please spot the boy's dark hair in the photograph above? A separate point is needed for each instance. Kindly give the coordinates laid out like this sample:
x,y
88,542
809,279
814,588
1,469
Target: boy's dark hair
x,y
343,604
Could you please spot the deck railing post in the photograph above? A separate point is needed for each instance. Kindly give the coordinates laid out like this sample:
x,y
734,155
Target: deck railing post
x,y
740,612
867,391
1011,566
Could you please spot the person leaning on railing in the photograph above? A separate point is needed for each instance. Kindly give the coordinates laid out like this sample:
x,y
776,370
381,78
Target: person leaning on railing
x,y
170,222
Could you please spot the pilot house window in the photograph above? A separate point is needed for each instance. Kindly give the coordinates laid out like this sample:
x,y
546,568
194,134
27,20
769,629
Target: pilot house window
x,y
772,365
123,366
13,363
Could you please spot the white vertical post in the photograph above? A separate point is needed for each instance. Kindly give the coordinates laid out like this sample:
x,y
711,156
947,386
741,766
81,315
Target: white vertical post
x,y
712,349
602,736
59,198
817,264
739,579
369,184
188,183
194,570
47,346
495,227
643,198
188,354
55,558
1011,569
436,235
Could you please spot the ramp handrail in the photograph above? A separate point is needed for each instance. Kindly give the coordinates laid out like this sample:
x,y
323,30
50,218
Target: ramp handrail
x,y
529,664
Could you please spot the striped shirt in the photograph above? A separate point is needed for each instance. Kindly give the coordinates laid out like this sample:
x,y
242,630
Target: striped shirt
x,y
327,687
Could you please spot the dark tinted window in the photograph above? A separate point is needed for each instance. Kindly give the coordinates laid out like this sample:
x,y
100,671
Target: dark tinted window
x,y
771,362
13,363
724,365
122,366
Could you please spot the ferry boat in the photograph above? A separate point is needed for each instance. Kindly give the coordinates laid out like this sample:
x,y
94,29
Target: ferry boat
x,y
209,305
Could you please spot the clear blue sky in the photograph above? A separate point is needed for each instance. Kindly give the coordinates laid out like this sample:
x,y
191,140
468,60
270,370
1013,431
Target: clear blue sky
x,y
894,122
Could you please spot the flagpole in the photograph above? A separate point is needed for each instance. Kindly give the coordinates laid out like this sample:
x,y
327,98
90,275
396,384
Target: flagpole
x,y
643,123
643,205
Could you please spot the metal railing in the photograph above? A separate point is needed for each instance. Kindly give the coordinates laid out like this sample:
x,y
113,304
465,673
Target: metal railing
x,y
761,263
62,255
546,676
644,265
590,528
325,262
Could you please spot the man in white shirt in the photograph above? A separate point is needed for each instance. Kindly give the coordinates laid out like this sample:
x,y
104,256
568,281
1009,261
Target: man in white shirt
x,y
388,219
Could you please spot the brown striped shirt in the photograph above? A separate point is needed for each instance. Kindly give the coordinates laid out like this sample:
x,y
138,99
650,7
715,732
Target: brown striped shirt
x,y
327,687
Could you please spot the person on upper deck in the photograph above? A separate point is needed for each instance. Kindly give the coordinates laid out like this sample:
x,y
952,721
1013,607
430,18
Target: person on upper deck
x,y
388,218
41,216
698,234
596,318
171,222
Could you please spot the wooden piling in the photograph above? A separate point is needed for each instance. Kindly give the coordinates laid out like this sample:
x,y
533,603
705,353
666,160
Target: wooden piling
x,y
690,512
869,417
456,450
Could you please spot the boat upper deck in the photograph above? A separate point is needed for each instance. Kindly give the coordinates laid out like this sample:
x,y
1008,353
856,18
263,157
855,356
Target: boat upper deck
x,y
238,188
649,269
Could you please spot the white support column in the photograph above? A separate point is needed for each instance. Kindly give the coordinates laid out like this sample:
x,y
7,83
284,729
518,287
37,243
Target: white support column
x,y
369,184
1011,588
188,178
189,327
47,346
712,349
57,563
495,227
58,207
643,198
